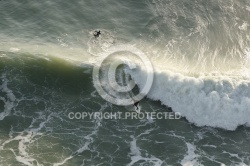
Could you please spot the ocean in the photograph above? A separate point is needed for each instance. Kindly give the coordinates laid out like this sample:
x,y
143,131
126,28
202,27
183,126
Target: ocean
x,y
189,58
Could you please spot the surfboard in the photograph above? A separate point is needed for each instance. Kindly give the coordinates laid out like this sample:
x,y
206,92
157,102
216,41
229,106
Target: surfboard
x,y
138,110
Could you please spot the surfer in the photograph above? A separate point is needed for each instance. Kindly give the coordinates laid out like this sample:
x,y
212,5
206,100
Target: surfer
x,y
97,33
136,104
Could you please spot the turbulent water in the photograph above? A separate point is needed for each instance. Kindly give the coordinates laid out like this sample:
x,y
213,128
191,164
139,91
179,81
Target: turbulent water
x,y
200,52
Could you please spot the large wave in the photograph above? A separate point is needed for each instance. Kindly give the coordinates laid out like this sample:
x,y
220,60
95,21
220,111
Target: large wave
x,y
200,51
222,102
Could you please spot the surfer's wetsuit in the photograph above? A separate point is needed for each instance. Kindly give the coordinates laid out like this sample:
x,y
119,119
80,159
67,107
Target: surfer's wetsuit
x,y
97,33
136,104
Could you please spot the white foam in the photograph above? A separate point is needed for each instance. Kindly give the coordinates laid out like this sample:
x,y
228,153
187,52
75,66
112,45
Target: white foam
x,y
241,164
191,158
25,138
63,162
8,100
248,8
12,49
89,140
137,156
243,26
222,101
212,146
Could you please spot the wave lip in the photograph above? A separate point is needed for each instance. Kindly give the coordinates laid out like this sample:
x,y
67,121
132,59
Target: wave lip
x,y
222,102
